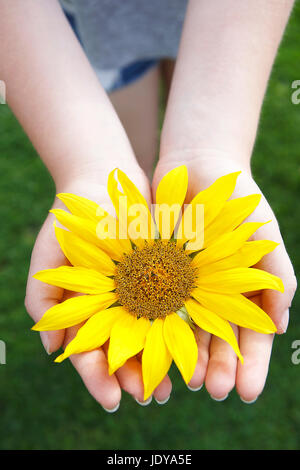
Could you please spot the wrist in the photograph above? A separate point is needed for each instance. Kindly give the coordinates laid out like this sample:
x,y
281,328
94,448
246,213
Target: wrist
x,y
91,182
88,172
206,157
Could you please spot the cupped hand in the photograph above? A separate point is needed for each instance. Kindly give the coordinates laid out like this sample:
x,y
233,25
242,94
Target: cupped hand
x,y
92,366
217,364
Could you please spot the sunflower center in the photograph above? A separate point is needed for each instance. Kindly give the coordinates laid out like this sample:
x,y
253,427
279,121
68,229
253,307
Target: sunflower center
x,y
155,280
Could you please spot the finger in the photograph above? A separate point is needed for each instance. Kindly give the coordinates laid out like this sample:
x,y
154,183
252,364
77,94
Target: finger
x,y
131,380
251,376
92,366
130,376
221,370
203,339
163,391
256,349
277,304
40,296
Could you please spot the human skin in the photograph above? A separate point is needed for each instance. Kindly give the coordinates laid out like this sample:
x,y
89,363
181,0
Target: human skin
x,y
63,98
226,53
56,96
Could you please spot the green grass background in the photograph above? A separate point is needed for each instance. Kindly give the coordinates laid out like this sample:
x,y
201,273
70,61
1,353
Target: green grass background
x,y
45,406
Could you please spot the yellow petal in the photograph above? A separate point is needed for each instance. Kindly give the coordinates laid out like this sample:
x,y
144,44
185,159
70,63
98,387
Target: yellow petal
x,y
126,340
81,206
93,334
89,231
237,309
182,345
226,244
233,214
156,359
170,196
209,321
114,193
248,255
134,197
82,253
213,200
239,280
73,311
109,230
132,209
130,190
84,228
77,279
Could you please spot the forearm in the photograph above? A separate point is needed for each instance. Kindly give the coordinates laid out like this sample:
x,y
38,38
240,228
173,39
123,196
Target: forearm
x,y
225,58
54,92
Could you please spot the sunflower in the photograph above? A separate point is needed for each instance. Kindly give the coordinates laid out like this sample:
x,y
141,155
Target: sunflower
x,y
146,284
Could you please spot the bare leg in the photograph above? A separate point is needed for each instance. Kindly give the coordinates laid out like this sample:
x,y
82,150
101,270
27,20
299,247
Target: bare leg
x,y
167,69
137,106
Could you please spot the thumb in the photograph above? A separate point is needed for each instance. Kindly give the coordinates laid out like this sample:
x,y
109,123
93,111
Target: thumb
x,y
275,303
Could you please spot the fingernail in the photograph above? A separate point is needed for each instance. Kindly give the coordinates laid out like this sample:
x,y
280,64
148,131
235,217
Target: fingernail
x,y
248,402
112,410
144,403
219,399
284,322
196,389
162,402
45,342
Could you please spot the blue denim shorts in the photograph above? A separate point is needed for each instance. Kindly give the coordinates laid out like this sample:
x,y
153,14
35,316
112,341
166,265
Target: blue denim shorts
x,y
114,79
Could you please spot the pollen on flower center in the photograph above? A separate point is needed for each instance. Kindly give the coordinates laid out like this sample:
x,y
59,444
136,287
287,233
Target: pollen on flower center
x,y
155,280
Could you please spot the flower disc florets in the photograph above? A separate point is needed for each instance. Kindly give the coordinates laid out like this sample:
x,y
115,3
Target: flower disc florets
x,y
155,280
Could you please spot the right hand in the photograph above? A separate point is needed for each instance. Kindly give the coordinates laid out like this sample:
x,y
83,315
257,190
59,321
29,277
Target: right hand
x,y
92,366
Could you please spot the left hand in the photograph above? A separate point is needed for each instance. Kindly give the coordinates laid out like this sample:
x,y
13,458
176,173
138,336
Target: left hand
x,y
217,363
